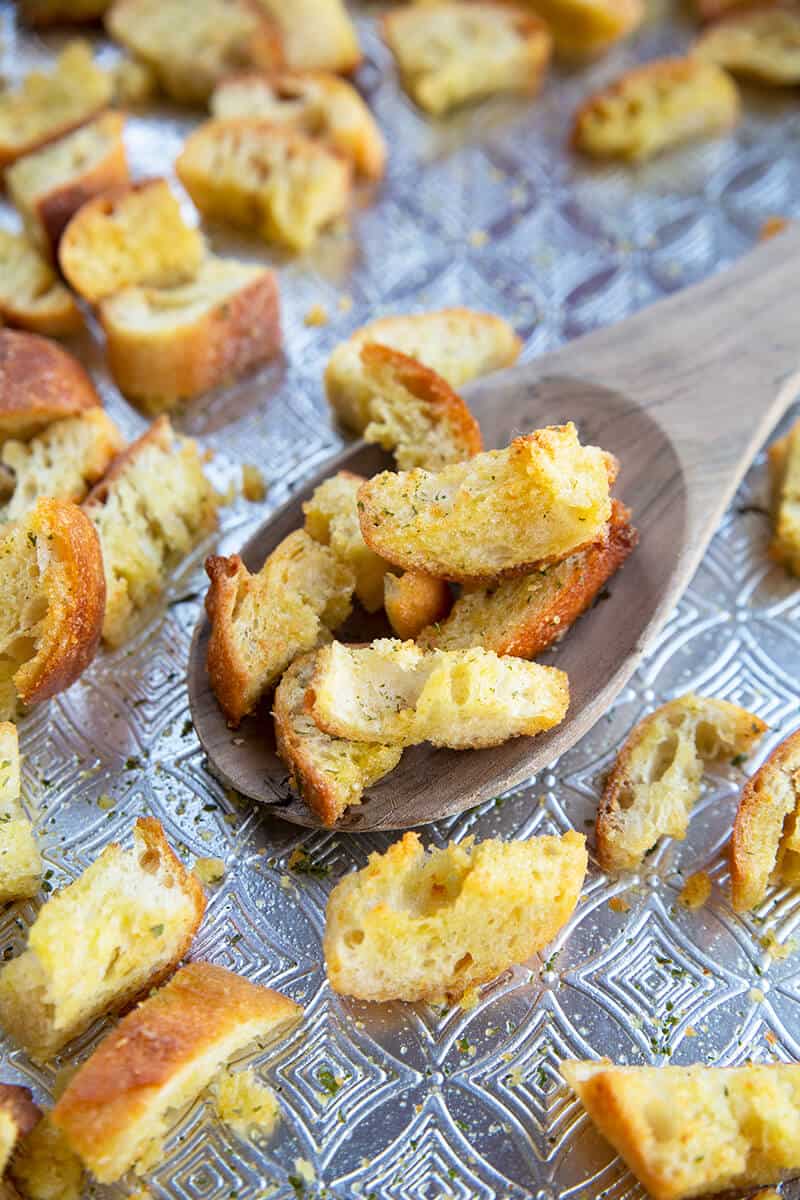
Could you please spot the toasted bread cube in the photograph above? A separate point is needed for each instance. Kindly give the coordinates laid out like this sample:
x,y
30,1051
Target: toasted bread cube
x,y
261,622
765,846
117,1108
44,1167
18,1116
244,1104
31,294
122,926
39,383
413,602
415,926
395,693
762,44
691,1131
315,35
312,102
52,596
582,28
331,774
20,861
524,616
165,345
332,519
783,459
500,513
267,178
54,12
655,781
656,107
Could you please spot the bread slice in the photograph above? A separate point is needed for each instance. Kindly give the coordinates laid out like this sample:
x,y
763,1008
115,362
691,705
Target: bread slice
x,y
192,46
316,35
51,602
761,43
500,513
656,107
121,927
655,781
18,1116
765,846
31,294
152,507
416,926
63,461
49,186
449,53
267,178
783,459
116,1109
39,383
457,343
524,616
582,28
49,104
44,1167
691,1131
312,102
395,693
260,623
20,860
331,518
413,602
134,235
331,774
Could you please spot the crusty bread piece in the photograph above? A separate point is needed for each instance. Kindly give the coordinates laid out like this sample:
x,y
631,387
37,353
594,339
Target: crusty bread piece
x,y
413,602
20,860
116,1109
49,104
524,616
151,508
760,43
449,53
39,383
395,693
165,345
267,178
655,781
121,927
63,461
331,517
313,102
457,343
55,12
691,1131
783,459
416,926
134,235
192,46
52,596
135,83
330,774
582,28
44,1167
18,1115
415,413
244,1104
261,622
500,513
31,294
765,846
316,35
49,186
656,107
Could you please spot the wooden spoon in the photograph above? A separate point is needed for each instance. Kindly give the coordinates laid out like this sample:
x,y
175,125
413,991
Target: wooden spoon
x,y
684,393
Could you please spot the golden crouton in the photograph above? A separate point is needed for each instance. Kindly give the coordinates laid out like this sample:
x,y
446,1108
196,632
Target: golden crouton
x,y
39,383
414,601
765,847
783,459
20,861
588,27
331,517
31,294
44,1167
18,1115
655,781
416,926
762,44
315,35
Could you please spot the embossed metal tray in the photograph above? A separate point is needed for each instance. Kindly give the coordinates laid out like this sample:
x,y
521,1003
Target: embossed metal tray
x,y
487,209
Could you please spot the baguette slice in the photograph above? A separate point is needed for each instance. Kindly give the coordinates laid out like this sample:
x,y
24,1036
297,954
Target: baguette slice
x,y
31,294
500,513
655,781
18,1116
765,846
20,861
52,596
582,28
394,693
316,35
44,1167
416,926
267,178
413,602
761,43
783,459
312,102
53,12
691,1131
120,928
260,623
331,774
331,518
166,345
39,383
117,1108
49,186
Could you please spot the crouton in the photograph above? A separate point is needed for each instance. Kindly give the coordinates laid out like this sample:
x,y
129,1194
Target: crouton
x,y
765,846
316,35
331,517
783,459
39,383
451,53
762,44
245,1105
413,602
116,1109
266,178
44,1167
690,1131
415,926
394,693
331,774
655,781
20,860
500,513
55,12
31,294
121,927
587,27
261,622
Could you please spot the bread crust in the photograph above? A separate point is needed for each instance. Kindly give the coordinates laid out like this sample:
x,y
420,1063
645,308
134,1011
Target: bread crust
x,y
39,383
766,813
413,601
42,13
226,671
32,296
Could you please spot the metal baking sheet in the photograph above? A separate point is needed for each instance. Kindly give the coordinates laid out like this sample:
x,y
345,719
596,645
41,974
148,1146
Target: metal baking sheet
x,y
488,209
